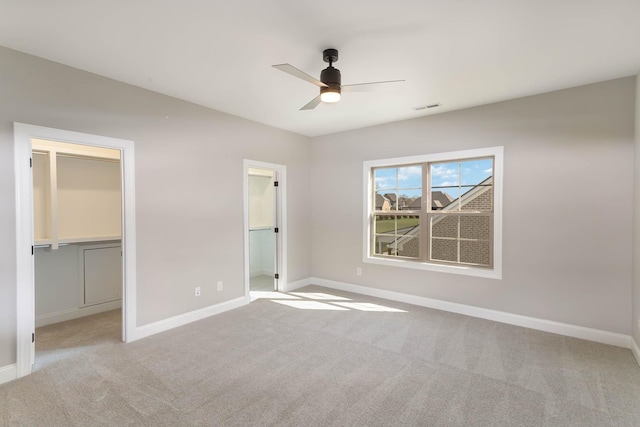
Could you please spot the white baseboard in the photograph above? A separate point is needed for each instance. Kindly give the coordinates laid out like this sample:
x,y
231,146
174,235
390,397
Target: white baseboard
x,y
76,313
183,319
292,286
559,328
635,349
8,373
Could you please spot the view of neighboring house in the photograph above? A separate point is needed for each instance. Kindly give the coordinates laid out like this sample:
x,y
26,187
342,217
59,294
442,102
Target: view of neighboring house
x,y
382,203
439,200
446,230
393,200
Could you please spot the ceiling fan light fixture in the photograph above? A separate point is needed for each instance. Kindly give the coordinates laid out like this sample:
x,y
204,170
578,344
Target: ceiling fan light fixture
x,y
330,94
330,82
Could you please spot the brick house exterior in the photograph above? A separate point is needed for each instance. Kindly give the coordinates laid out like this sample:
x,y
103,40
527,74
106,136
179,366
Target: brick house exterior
x,y
444,229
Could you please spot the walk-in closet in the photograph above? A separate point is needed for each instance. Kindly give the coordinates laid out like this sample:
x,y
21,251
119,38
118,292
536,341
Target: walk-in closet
x,y
77,206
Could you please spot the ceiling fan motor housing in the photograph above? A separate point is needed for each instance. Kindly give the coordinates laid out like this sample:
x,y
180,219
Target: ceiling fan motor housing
x,y
331,77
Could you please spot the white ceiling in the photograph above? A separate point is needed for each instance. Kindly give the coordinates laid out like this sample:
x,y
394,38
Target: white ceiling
x,y
219,54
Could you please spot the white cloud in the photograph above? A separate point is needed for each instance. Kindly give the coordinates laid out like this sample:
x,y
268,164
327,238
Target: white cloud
x,y
447,183
489,171
441,171
381,181
409,172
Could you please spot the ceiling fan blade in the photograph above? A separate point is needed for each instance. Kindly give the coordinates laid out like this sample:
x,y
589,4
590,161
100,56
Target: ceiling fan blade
x,y
312,104
363,87
290,69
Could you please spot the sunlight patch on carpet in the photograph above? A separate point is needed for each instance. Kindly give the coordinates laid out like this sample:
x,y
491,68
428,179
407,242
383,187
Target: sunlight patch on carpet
x,y
311,305
367,306
319,296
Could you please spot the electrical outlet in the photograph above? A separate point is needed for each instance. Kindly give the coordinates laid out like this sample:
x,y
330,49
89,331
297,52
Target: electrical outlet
x,y
359,271
220,285
198,291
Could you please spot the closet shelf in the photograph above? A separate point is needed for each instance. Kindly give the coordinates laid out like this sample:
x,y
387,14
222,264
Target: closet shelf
x,y
77,194
84,239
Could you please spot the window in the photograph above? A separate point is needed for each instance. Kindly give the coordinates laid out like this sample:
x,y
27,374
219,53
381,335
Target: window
x,y
437,212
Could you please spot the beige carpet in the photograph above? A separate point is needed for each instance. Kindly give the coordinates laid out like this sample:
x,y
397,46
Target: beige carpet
x,y
329,358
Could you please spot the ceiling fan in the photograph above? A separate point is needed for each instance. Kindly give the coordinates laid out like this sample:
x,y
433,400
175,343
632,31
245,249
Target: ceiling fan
x,y
330,82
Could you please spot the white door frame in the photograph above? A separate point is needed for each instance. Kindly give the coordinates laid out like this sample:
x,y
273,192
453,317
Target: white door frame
x,y
25,290
281,223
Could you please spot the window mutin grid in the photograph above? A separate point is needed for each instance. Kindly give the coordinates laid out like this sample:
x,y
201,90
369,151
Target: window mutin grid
x,y
450,222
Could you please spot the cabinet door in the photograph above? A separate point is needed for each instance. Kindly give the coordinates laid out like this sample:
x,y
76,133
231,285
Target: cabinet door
x,y
102,275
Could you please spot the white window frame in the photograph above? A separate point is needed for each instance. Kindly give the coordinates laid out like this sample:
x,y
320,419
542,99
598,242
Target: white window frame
x,y
491,273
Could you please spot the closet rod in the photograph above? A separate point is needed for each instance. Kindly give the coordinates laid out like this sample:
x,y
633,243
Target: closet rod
x,y
76,156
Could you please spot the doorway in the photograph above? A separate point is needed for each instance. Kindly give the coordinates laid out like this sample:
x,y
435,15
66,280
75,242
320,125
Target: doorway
x,y
263,245
26,242
77,211
265,260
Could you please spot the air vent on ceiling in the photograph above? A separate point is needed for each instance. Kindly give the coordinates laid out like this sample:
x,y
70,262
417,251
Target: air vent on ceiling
x,y
424,107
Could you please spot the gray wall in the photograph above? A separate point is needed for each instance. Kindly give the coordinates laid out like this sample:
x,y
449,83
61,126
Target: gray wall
x,y
636,223
567,194
568,188
188,183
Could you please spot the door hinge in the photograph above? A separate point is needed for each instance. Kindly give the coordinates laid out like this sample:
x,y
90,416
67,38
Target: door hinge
x,y
275,183
33,337
31,249
277,276
276,230
30,162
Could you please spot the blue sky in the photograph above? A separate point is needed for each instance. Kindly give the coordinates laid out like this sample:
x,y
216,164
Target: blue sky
x,y
408,179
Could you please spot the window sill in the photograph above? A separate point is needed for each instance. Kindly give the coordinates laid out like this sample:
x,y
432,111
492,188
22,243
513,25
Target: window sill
x,y
494,273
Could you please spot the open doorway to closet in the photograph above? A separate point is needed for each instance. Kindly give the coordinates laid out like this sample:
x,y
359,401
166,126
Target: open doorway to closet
x,y
96,236
77,212
265,219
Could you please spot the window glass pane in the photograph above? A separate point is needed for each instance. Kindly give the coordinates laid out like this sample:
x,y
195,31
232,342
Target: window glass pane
x,y
385,200
408,224
474,172
398,188
385,224
408,246
410,177
475,227
408,243
445,190
384,245
444,226
479,198
442,198
475,252
444,175
397,235
409,199
385,178
444,250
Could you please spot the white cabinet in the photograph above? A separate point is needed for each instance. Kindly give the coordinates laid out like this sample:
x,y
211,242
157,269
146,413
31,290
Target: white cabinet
x,y
77,280
101,274
56,285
